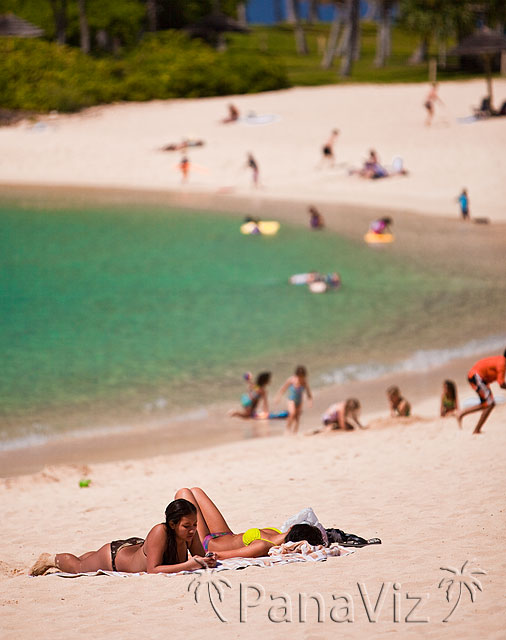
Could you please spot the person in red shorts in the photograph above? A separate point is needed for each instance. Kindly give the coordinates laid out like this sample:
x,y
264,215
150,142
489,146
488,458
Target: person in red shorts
x,y
480,376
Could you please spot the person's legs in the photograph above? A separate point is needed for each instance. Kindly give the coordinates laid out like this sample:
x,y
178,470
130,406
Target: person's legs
x,y
292,410
485,414
298,411
90,561
209,517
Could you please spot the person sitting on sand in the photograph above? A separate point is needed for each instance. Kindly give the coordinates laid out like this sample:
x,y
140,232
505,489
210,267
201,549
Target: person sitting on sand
x,y
219,538
371,168
315,218
296,385
343,415
399,406
480,377
165,549
449,400
233,114
382,225
256,392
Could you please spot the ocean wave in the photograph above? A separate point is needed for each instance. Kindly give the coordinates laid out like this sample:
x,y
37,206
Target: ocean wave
x,y
421,360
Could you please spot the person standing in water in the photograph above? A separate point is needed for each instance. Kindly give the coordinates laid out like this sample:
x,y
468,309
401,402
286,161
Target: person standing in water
x,y
480,377
296,386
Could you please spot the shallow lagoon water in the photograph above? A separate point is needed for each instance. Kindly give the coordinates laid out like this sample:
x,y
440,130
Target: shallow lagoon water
x,y
160,310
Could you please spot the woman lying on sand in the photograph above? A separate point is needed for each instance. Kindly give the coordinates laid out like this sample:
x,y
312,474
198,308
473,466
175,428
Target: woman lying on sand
x,y
217,536
165,549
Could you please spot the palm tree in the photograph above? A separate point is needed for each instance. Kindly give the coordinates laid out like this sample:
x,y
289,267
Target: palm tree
x,y
334,42
152,15
384,33
83,26
293,16
59,9
463,580
352,36
214,585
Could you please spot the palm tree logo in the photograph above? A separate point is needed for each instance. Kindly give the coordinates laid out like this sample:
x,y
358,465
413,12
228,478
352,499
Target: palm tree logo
x,y
463,578
215,587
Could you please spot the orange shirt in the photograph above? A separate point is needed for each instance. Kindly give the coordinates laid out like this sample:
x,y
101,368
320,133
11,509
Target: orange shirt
x,y
490,369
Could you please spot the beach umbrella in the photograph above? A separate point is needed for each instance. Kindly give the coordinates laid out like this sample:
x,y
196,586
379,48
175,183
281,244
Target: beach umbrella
x,y
484,43
11,25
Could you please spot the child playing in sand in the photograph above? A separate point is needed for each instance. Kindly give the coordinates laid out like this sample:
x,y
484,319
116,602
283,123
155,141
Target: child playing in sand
x,y
256,392
342,415
165,549
449,401
480,376
296,385
399,406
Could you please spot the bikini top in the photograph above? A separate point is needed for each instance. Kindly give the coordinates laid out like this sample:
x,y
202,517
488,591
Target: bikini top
x,y
254,533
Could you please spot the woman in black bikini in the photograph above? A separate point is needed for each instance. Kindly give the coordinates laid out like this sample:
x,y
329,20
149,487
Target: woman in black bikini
x,y
165,549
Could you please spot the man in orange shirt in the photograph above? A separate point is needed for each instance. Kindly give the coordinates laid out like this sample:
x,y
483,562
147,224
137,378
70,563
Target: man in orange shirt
x,y
480,376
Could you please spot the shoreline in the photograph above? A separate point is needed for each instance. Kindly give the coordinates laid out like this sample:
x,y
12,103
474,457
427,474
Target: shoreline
x,y
113,442
172,435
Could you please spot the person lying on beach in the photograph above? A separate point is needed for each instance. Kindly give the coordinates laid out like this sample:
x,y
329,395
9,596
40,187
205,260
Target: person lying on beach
x,y
480,377
219,538
449,400
399,406
184,144
256,393
165,549
233,114
296,385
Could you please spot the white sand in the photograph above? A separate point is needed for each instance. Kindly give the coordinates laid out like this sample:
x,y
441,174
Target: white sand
x,y
118,146
434,494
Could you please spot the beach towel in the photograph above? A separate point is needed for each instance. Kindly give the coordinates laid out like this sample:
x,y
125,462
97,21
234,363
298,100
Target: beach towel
x,y
283,554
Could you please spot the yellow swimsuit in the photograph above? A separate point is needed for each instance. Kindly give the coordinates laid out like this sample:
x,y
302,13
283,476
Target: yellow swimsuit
x,y
254,533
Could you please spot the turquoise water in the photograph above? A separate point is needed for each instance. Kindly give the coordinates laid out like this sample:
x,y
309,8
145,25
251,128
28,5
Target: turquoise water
x,y
122,307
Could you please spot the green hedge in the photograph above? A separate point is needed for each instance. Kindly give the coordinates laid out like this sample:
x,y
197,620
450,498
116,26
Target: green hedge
x,y
40,76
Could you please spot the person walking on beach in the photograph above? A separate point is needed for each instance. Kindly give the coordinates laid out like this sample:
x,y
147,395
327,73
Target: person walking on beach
x,y
296,386
252,164
165,549
432,98
480,377
184,167
328,148
257,392
399,406
463,201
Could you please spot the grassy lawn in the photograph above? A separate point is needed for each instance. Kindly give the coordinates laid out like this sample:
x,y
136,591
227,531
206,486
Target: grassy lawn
x,y
279,41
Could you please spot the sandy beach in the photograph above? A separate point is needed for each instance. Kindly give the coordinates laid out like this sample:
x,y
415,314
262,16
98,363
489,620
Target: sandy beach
x,y
433,493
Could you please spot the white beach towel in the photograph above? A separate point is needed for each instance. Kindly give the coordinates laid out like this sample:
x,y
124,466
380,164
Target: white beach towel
x,y
283,554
